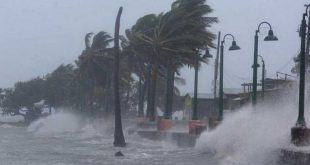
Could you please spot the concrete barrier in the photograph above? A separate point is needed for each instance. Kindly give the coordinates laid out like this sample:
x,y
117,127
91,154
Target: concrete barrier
x,y
164,124
178,138
292,157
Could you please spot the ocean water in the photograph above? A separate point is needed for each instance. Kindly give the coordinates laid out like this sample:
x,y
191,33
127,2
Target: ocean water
x,y
253,136
246,137
64,139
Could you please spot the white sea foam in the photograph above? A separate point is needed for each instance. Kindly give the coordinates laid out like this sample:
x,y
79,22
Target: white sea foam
x,y
62,124
8,118
55,124
7,126
89,131
251,136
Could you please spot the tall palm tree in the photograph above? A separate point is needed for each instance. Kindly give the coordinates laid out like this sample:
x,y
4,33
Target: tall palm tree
x,y
137,65
174,37
119,140
94,64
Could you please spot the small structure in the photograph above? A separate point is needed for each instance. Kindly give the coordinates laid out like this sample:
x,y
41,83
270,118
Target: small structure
x,y
208,106
277,83
273,89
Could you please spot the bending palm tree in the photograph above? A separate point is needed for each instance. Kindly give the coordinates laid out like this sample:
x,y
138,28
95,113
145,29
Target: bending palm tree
x,y
119,140
176,36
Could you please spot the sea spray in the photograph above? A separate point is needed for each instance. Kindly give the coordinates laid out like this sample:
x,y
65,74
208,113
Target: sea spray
x,y
64,123
89,131
251,136
11,119
8,126
55,124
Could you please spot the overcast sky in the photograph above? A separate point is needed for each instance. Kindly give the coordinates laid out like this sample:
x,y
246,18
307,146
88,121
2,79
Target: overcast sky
x,y
39,35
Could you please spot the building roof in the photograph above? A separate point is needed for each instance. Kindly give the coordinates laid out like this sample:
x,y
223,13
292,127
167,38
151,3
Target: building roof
x,y
233,91
203,95
227,91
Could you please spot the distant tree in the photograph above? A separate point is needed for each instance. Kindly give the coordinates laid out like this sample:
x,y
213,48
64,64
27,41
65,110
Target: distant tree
x,y
20,100
59,88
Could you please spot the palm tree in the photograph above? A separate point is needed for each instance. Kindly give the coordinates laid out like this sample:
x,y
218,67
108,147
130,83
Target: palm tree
x,y
137,66
195,13
94,64
174,37
145,25
119,140
58,86
93,61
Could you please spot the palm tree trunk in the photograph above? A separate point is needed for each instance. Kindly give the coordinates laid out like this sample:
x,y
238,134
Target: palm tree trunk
x,y
141,98
109,104
148,85
153,91
127,94
119,140
91,102
144,88
107,101
50,109
169,92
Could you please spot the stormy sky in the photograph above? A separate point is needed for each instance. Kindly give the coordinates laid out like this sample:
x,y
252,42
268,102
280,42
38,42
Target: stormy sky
x,y
39,35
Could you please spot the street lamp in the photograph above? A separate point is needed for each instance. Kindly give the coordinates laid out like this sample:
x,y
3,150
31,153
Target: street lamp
x,y
269,37
300,133
301,119
263,77
194,123
233,46
205,56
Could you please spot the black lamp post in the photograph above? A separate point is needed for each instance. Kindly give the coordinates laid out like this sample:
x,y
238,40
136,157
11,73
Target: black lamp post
x,y
301,119
263,77
300,133
269,37
233,46
205,56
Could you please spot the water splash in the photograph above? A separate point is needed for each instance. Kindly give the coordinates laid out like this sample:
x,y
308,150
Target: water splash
x,y
89,131
57,123
251,136
8,126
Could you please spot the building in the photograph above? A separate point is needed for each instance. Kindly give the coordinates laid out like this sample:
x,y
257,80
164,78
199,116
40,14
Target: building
x,y
208,105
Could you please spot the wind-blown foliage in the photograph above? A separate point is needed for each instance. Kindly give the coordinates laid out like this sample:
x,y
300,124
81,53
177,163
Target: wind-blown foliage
x,y
172,39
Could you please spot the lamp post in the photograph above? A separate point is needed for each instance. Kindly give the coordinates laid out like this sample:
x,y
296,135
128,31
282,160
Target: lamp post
x,y
233,46
300,133
205,56
194,123
301,119
269,37
263,77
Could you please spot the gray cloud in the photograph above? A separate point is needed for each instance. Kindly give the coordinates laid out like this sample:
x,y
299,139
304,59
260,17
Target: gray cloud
x,y
39,35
